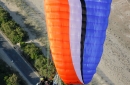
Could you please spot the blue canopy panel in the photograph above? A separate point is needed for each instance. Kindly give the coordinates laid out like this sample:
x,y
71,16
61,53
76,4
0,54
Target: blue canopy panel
x,y
97,13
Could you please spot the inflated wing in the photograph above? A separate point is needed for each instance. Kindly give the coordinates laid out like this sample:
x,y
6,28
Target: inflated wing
x,y
77,31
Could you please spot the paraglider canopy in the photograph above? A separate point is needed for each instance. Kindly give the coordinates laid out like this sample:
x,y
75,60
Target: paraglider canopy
x,y
76,31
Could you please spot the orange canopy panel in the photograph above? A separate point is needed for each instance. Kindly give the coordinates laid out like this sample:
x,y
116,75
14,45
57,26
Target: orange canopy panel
x,y
57,20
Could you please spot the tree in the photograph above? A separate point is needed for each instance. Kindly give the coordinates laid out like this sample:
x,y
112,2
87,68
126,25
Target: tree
x,y
12,30
38,60
4,16
11,80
